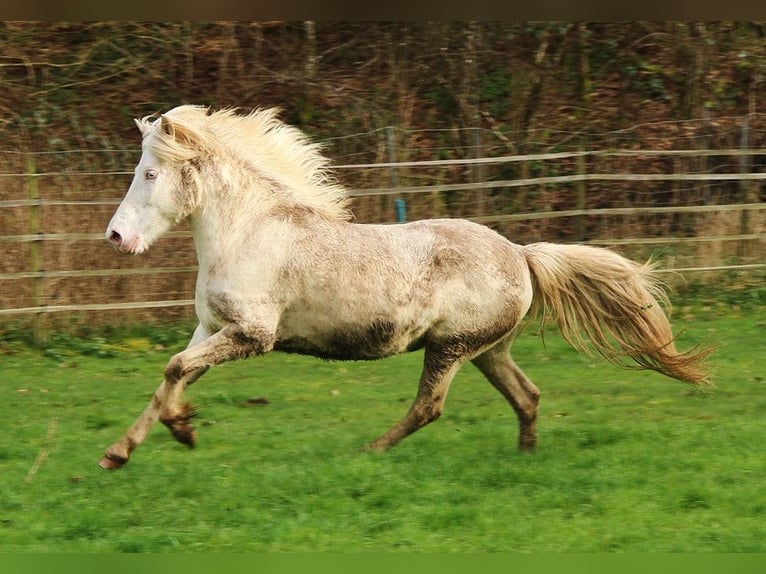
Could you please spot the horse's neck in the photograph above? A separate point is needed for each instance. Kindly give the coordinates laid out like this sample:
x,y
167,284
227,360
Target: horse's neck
x,y
204,241
220,234
226,224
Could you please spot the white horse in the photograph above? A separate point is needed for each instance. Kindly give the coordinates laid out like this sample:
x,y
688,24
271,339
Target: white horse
x,y
281,267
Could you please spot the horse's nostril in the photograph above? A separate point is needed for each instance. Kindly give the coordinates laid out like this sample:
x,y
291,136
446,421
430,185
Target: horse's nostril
x,y
115,238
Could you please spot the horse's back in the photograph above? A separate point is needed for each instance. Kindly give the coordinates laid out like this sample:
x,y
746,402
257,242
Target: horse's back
x,y
483,278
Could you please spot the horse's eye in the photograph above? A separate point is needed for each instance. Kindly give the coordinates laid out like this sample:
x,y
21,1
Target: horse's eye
x,y
150,174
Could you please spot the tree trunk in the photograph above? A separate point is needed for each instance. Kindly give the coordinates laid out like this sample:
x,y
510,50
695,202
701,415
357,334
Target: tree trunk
x,y
469,103
584,83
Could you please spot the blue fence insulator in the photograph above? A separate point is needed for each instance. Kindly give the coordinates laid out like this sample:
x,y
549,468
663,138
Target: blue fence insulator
x,y
401,211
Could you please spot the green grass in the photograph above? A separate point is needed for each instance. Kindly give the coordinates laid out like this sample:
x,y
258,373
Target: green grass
x,y
627,460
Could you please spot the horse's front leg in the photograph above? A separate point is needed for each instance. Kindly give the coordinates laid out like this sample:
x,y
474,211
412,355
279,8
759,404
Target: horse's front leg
x,y
178,417
117,454
231,342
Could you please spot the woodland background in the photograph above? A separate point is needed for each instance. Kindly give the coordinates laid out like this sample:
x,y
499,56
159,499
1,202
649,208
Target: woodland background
x,y
380,92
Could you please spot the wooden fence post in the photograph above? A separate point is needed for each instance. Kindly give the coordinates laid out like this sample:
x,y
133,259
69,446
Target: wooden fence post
x,y
393,173
35,253
580,195
393,176
478,171
746,188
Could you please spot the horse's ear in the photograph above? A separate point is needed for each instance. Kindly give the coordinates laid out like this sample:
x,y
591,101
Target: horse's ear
x,y
183,134
142,125
166,126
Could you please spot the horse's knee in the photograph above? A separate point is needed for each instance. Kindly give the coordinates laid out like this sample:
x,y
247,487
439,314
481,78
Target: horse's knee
x,y
530,410
527,415
174,370
429,412
429,417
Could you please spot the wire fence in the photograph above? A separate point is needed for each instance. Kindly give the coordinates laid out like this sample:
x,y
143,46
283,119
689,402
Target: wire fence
x,y
696,211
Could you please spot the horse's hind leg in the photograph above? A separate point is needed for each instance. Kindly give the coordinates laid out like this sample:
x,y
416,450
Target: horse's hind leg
x,y
496,364
438,371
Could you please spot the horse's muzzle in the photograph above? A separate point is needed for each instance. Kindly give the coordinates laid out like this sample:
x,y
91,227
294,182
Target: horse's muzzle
x,y
119,242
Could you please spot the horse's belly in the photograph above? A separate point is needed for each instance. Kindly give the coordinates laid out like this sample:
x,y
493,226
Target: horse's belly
x,y
374,340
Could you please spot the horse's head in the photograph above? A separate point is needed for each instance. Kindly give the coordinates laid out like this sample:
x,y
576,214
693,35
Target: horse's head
x,y
164,187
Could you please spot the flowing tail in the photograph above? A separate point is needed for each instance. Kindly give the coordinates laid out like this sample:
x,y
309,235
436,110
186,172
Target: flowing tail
x,y
599,297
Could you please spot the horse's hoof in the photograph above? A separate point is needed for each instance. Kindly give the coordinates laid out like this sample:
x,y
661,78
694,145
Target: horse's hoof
x,y
528,447
189,438
108,463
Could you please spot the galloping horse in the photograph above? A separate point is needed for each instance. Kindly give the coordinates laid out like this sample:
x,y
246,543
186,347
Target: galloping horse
x,y
282,267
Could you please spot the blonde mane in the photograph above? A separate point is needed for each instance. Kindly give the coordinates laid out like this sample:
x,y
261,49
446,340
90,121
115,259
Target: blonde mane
x,y
275,150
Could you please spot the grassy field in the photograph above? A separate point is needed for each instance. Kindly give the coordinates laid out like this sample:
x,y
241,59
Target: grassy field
x,y
627,461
